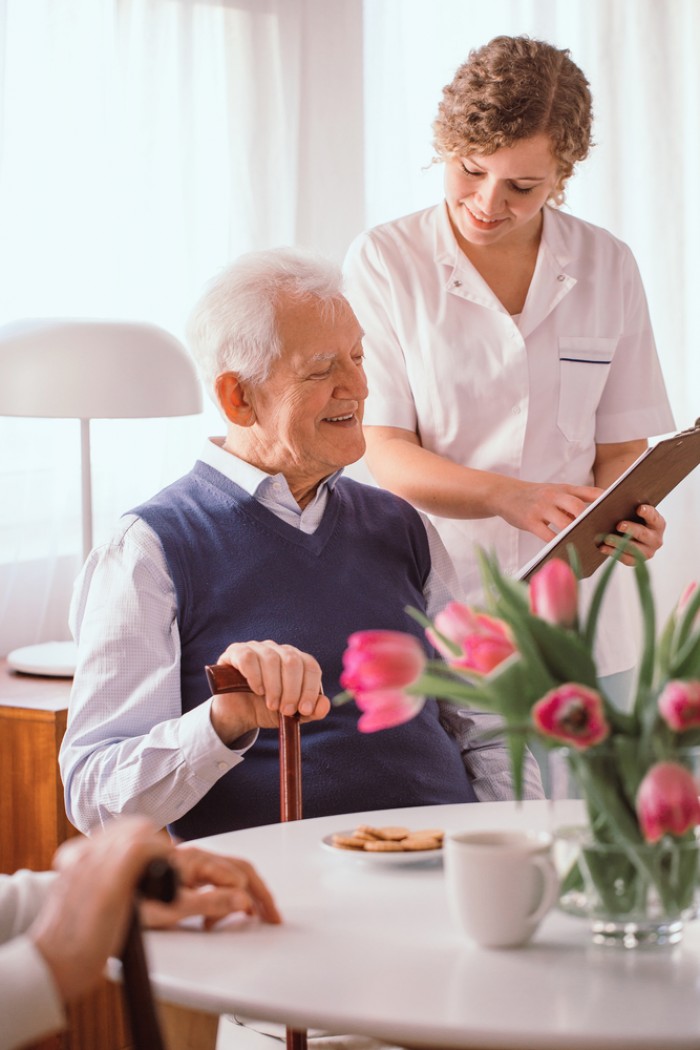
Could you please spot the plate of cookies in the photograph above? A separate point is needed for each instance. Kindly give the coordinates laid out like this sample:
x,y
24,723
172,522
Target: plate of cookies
x,y
386,845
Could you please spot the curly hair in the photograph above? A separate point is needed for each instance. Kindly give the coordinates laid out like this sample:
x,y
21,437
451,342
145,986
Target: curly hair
x,y
511,89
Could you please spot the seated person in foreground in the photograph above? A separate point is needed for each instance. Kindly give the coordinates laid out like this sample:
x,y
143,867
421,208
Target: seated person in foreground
x,y
57,929
263,557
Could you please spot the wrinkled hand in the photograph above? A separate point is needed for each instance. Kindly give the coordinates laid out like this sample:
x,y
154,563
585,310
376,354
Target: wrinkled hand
x,y
544,509
283,680
647,536
213,886
86,915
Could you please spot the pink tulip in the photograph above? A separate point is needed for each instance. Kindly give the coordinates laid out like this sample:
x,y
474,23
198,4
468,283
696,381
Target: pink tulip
x,y
667,801
573,714
483,641
385,708
381,660
377,665
686,596
554,594
679,705
684,601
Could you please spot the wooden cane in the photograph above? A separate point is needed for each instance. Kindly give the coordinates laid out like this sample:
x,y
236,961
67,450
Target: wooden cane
x,y
223,678
159,882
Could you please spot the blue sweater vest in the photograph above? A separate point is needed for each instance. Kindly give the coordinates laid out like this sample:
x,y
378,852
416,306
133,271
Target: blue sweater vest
x,y
241,574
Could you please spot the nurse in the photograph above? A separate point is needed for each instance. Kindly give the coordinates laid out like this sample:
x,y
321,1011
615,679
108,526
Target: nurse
x,y
512,368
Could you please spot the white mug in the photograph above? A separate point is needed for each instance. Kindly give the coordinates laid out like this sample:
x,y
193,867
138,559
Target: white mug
x,y
500,884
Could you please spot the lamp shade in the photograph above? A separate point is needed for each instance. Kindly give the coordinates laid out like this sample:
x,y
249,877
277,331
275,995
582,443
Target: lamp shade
x,y
84,369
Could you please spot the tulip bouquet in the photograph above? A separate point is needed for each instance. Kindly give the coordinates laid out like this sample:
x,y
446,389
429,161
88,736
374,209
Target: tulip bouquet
x,y
529,657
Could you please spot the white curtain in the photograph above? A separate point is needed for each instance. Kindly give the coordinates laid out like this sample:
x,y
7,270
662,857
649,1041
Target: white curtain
x,y
143,145
641,181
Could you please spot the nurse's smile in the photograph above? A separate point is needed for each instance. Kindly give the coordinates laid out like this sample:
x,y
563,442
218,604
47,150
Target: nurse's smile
x,y
482,222
495,195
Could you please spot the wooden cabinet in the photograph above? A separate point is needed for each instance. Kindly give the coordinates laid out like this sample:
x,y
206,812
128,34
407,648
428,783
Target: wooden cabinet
x,y
33,824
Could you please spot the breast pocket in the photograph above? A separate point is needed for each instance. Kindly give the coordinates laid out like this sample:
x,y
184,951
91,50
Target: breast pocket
x,y
584,365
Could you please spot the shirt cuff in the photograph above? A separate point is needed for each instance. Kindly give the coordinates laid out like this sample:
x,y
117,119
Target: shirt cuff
x,y
204,751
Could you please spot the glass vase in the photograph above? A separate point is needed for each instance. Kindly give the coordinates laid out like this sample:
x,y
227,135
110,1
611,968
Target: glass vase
x,y
638,896
633,894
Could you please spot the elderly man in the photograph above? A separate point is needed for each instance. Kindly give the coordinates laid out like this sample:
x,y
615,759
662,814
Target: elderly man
x,y
263,557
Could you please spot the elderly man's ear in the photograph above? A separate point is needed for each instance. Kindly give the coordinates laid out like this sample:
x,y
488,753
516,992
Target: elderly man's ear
x,y
233,398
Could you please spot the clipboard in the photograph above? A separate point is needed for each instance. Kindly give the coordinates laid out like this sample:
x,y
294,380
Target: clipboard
x,y
648,480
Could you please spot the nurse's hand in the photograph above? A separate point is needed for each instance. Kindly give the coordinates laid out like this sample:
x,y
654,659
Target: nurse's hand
x,y
647,536
542,509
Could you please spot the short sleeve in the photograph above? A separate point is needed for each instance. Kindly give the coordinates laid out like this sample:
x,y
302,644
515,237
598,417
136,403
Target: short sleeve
x,y
634,401
369,290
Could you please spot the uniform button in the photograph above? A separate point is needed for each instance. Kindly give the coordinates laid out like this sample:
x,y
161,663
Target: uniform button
x,y
456,284
561,277
516,411
222,765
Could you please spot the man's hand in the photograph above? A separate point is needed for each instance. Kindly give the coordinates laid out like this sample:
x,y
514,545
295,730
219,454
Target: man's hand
x,y
283,680
87,912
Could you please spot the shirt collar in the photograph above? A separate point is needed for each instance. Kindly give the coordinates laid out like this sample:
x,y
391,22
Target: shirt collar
x,y
251,479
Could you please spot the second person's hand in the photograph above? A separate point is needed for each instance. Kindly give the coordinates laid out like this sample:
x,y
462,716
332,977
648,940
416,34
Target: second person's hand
x,y
544,509
647,536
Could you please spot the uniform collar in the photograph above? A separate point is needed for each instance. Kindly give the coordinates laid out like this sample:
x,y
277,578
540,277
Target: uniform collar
x,y
460,276
550,281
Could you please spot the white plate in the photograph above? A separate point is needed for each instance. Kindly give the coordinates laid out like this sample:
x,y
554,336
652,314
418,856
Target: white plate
x,y
55,659
390,858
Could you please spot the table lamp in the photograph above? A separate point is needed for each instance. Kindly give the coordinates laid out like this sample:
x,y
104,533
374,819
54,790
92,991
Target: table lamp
x,y
85,369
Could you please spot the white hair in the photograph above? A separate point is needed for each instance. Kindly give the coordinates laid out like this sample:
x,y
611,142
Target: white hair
x,y
233,327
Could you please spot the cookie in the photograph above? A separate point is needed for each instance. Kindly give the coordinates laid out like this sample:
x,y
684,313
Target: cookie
x,y
367,832
383,846
420,842
347,842
433,833
388,839
391,834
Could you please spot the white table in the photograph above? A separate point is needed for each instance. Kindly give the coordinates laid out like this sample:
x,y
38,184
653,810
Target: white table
x,y
372,950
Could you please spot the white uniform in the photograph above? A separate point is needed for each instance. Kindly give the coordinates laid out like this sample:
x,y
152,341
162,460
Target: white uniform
x,y
527,397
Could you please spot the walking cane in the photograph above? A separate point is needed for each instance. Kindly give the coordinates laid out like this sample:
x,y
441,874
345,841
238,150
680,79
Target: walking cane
x,y
223,678
159,882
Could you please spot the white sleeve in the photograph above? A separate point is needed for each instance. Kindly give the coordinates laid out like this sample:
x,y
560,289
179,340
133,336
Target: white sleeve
x,y
21,898
128,748
367,287
30,1006
634,403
